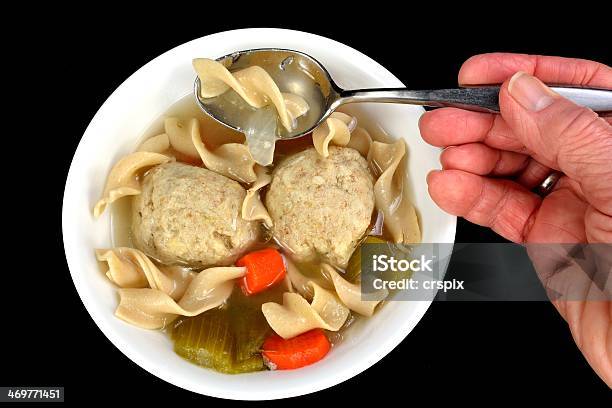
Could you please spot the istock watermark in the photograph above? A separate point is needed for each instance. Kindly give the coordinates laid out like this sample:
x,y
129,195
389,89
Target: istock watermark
x,y
407,266
383,263
486,271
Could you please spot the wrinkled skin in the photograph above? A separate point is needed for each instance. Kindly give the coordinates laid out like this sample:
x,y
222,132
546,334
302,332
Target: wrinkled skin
x,y
491,162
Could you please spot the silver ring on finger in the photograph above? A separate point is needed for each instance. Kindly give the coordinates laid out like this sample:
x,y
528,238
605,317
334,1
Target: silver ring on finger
x,y
547,186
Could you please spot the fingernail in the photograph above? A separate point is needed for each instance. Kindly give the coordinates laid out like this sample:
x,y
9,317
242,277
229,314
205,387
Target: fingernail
x,y
530,92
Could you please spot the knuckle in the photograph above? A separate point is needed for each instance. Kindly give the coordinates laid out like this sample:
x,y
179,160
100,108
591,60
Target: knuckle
x,y
585,140
585,153
579,122
584,74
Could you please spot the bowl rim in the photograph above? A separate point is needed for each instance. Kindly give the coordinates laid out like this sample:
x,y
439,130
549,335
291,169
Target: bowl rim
x,y
145,362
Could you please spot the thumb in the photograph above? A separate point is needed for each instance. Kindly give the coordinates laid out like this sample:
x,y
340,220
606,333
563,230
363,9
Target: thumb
x,y
561,135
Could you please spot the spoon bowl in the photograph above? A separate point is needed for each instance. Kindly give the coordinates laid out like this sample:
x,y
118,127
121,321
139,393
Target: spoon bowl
x,y
294,72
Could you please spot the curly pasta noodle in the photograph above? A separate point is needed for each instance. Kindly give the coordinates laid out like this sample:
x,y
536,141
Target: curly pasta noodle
x,y
350,293
335,130
131,268
155,144
232,160
179,135
328,310
389,194
154,309
252,207
329,307
254,85
151,298
296,316
123,178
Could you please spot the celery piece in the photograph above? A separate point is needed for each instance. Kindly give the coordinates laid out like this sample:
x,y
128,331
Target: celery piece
x,y
248,323
208,340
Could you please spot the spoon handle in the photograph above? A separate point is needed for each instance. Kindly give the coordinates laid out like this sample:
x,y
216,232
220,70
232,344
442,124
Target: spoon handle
x,y
482,99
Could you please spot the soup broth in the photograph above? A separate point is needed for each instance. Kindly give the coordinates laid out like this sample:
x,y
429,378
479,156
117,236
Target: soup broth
x,y
244,247
240,317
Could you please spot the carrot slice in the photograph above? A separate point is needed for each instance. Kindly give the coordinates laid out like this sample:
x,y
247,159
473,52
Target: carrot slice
x,y
299,351
264,269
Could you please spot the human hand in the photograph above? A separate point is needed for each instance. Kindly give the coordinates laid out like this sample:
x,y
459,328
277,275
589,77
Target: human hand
x,y
492,162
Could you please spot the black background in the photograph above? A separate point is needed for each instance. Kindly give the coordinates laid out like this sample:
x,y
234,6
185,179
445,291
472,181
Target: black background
x,y
462,351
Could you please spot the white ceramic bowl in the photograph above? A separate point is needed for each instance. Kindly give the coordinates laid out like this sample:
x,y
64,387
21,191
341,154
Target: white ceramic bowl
x,y
115,131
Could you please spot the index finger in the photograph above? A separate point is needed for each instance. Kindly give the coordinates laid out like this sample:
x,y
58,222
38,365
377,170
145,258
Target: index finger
x,y
495,68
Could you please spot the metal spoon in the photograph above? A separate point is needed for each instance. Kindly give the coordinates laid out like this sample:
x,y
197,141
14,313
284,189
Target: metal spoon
x,y
278,61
